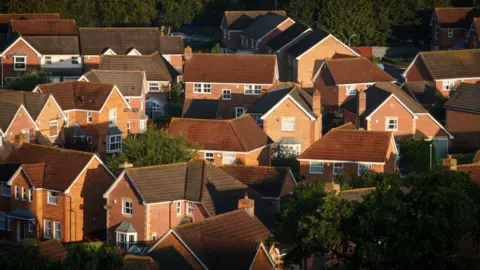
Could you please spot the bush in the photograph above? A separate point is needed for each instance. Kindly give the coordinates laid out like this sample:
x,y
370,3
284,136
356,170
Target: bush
x,y
464,158
416,153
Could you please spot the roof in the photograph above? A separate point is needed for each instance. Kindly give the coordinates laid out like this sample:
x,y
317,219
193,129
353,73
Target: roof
x,y
54,44
230,68
201,108
350,145
241,134
33,102
285,37
129,82
5,18
307,42
60,27
239,20
136,262
171,45
154,65
264,25
355,194
267,181
8,111
125,227
45,165
454,17
96,40
356,70
465,98
53,250
423,92
452,64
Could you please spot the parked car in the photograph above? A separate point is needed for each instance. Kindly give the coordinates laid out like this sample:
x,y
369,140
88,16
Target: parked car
x,y
199,38
179,34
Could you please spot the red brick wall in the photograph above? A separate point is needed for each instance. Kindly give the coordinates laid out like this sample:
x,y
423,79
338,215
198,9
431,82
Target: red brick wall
x,y
262,261
348,168
288,186
22,182
20,122
465,127
234,42
392,108
176,60
444,42
33,61
49,113
257,157
426,128
134,117
349,117
439,85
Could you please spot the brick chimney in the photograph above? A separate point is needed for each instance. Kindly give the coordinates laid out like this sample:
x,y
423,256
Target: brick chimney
x,y
187,53
317,109
450,163
247,203
362,102
125,165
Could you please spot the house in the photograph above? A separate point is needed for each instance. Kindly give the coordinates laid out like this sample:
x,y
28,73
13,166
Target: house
x,y
290,117
262,30
97,114
473,169
234,22
346,150
450,27
16,126
463,115
422,92
44,111
172,48
6,18
303,59
53,193
444,70
133,86
233,240
287,38
473,34
235,80
340,79
236,141
145,203
51,45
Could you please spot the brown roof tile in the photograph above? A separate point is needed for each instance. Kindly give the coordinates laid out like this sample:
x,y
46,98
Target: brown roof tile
x,y
54,44
60,27
33,102
8,110
5,18
466,98
171,45
350,145
228,253
356,70
230,68
72,95
452,17
241,134
129,82
154,65
53,250
241,19
452,64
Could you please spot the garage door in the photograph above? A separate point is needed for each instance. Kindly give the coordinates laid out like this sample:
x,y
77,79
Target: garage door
x,y
441,147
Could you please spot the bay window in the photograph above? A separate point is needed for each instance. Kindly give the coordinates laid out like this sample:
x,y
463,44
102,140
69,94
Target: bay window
x,y
126,240
114,143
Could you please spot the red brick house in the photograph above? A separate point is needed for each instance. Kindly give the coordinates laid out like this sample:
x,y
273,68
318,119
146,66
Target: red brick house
x,y
44,198
473,35
16,125
346,150
97,114
444,70
340,79
234,22
145,203
290,117
232,240
386,107
236,141
235,81
172,48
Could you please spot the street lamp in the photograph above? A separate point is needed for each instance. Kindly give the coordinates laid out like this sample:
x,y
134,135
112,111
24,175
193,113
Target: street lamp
x,y
349,38
430,156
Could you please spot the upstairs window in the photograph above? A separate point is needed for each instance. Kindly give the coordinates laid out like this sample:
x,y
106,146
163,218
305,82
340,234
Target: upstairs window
x,y
189,209
448,85
153,87
229,158
391,124
288,124
202,88
30,195
53,128
239,111
19,63
75,60
112,117
24,194
316,167
179,209
17,193
209,156
252,89
89,117
351,90
226,94
450,33
127,207
52,197
48,60
6,191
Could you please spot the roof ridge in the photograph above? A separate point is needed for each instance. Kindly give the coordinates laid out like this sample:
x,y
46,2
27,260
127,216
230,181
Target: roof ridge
x,y
358,189
155,166
211,218
252,166
236,55
236,134
60,149
11,102
43,20
119,28
406,95
448,51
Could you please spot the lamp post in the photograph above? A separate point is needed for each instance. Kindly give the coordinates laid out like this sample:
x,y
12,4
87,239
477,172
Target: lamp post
x,y
349,38
430,156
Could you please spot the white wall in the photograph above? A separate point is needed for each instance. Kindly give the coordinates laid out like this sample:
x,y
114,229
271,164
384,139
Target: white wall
x,y
61,61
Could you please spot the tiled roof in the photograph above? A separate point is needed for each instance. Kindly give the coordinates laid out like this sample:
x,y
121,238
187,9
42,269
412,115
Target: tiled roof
x,y
33,102
452,64
267,181
350,145
225,253
356,70
201,108
230,68
307,42
80,95
287,36
5,18
263,25
420,91
154,65
95,40
355,194
136,262
7,113
171,45
60,27
54,44
53,250
241,134
56,175
454,17
129,82
465,98
239,20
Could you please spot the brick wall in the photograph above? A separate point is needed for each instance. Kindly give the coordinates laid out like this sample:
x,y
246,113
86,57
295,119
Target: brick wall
x,y
465,127
444,42
33,61
257,157
261,261
22,121
348,168
50,112
392,108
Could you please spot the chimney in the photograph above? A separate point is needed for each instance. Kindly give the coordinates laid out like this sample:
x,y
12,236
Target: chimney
x,y
362,102
125,165
247,203
187,53
317,109
450,163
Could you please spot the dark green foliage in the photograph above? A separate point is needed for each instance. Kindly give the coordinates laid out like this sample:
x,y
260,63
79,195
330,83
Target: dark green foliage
x,y
416,153
174,106
304,11
29,80
175,13
216,48
464,158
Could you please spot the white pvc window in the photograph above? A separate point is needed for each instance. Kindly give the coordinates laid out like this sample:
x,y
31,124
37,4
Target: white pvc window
x,y
202,88
52,197
17,192
24,194
179,209
48,60
189,209
391,124
53,128
239,111
288,124
209,156
6,191
226,94
448,85
337,168
143,125
450,33
57,234
351,90
126,240
363,168
114,143
19,63
89,117
316,167
112,117
75,60
30,195
229,158
47,229
153,87
252,89
127,207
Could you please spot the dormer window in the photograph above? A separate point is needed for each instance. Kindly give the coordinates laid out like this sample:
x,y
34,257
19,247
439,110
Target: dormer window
x,y
19,63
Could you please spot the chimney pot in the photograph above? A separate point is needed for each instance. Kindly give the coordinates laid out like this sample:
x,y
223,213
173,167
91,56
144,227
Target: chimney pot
x,y
125,165
187,53
247,203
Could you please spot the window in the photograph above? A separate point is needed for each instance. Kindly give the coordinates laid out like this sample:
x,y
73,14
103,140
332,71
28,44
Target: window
x,y
143,125
202,88
89,117
154,236
351,90
9,224
225,33
19,63
252,89
6,192
258,119
153,87
190,209
450,33
229,158
363,168
155,108
24,194
89,139
48,60
31,226
30,195
368,85
114,143
256,45
112,117
53,128
288,124
2,221
239,111
52,197
125,240
75,60
17,192
127,207
290,150
337,168
391,124
179,209
209,157
448,85
57,234
47,229
226,94
128,126
316,167
26,134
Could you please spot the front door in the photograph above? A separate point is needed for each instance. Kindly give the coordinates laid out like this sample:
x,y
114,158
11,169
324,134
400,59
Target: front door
x,y
21,230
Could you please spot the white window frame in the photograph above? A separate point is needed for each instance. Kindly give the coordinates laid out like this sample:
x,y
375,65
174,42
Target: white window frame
x,y
338,168
89,117
16,61
75,60
6,187
112,117
202,88
153,87
56,235
387,123
179,208
350,90
258,119
110,143
226,94
3,221
154,236
24,194
190,209
48,60
51,199
448,85
127,243
54,123
229,158
127,210
252,89
30,195
363,168
47,229
143,126
128,126
209,159
31,226
450,33
17,193
316,167
288,126
239,111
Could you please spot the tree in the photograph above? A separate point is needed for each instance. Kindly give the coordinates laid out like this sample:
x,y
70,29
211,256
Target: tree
x,y
175,13
174,106
126,13
416,153
305,11
29,80
154,147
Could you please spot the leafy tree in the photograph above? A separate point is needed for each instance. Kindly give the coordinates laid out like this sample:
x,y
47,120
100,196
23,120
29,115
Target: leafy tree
x,y
416,153
174,107
175,13
305,11
131,13
29,80
154,147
